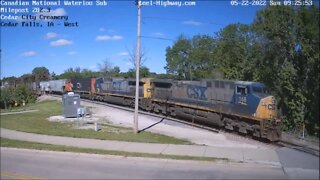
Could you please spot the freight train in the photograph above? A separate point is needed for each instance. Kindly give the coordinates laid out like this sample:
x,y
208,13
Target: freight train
x,y
240,106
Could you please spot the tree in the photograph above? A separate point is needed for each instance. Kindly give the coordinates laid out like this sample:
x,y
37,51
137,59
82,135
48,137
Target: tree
x,y
202,58
53,75
191,58
115,71
105,68
41,74
6,97
144,72
307,63
9,81
70,73
23,93
177,58
234,52
289,39
26,78
132,57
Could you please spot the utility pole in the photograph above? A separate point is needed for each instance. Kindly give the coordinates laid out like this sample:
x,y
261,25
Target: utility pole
x,y
136,104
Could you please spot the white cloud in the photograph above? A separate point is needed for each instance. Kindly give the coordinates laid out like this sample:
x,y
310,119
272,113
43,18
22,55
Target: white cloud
x,y
60,42
71,53
123,54
192,22
109,38
29,54
102,29
51,35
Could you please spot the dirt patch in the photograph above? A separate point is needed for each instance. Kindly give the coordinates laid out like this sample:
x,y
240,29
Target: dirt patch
x,y
46,98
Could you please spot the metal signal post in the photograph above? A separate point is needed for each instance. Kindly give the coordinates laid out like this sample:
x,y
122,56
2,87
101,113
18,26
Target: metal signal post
x,y
136,104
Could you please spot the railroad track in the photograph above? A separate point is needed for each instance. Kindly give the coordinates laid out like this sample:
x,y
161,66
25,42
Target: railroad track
x,y
230,135
299,147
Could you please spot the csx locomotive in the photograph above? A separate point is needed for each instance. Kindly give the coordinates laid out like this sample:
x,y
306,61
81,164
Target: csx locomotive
x,y
239,106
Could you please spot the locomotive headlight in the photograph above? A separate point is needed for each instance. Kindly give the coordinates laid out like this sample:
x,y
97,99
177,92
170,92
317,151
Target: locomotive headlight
x,y
263,103
270,107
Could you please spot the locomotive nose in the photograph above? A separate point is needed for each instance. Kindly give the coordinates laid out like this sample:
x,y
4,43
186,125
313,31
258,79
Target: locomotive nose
x,y
267,108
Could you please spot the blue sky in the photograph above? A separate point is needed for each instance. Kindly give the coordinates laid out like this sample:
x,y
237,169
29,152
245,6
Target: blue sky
x,y
108,32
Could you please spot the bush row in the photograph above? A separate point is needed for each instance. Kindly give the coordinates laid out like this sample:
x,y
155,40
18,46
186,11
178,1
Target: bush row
x,y
11,97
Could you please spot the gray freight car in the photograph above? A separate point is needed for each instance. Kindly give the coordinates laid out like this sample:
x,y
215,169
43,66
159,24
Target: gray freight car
x,y
44,87
57,86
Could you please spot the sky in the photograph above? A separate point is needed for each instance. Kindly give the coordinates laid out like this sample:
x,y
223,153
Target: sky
x,y
110,32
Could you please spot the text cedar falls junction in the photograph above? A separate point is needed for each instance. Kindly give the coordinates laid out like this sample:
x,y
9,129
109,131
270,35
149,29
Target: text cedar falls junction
x,y
52,3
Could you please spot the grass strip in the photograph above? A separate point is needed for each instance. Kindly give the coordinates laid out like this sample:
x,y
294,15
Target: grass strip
x,y
5,142
36,122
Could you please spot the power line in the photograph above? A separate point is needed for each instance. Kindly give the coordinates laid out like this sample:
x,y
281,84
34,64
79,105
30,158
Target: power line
x,y
151,37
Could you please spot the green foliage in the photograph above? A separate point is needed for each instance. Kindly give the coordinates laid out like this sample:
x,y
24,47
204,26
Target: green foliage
x,y
23,93
290,61
77,73
234,52
41,74
191,58
6,98
144,72
16,96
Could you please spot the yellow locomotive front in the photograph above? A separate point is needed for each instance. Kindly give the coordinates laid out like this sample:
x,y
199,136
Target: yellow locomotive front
x,y
267,108
270,125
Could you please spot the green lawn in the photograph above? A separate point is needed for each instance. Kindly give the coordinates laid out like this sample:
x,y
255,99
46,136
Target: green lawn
x,y
40,146
15,109
36,122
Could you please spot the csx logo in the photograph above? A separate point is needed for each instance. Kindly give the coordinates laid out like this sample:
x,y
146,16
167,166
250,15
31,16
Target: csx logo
x,y
197,92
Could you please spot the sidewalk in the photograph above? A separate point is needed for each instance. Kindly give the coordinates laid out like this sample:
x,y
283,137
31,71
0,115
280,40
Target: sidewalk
x,y
264,156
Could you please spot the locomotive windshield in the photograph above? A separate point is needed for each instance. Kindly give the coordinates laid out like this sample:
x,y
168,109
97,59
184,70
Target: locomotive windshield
x,y
259,90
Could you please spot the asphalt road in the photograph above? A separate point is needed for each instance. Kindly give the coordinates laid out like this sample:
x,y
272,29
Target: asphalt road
x,y
290,158
34,164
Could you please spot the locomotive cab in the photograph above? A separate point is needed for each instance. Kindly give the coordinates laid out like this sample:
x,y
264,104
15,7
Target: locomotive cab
x,y
254,97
